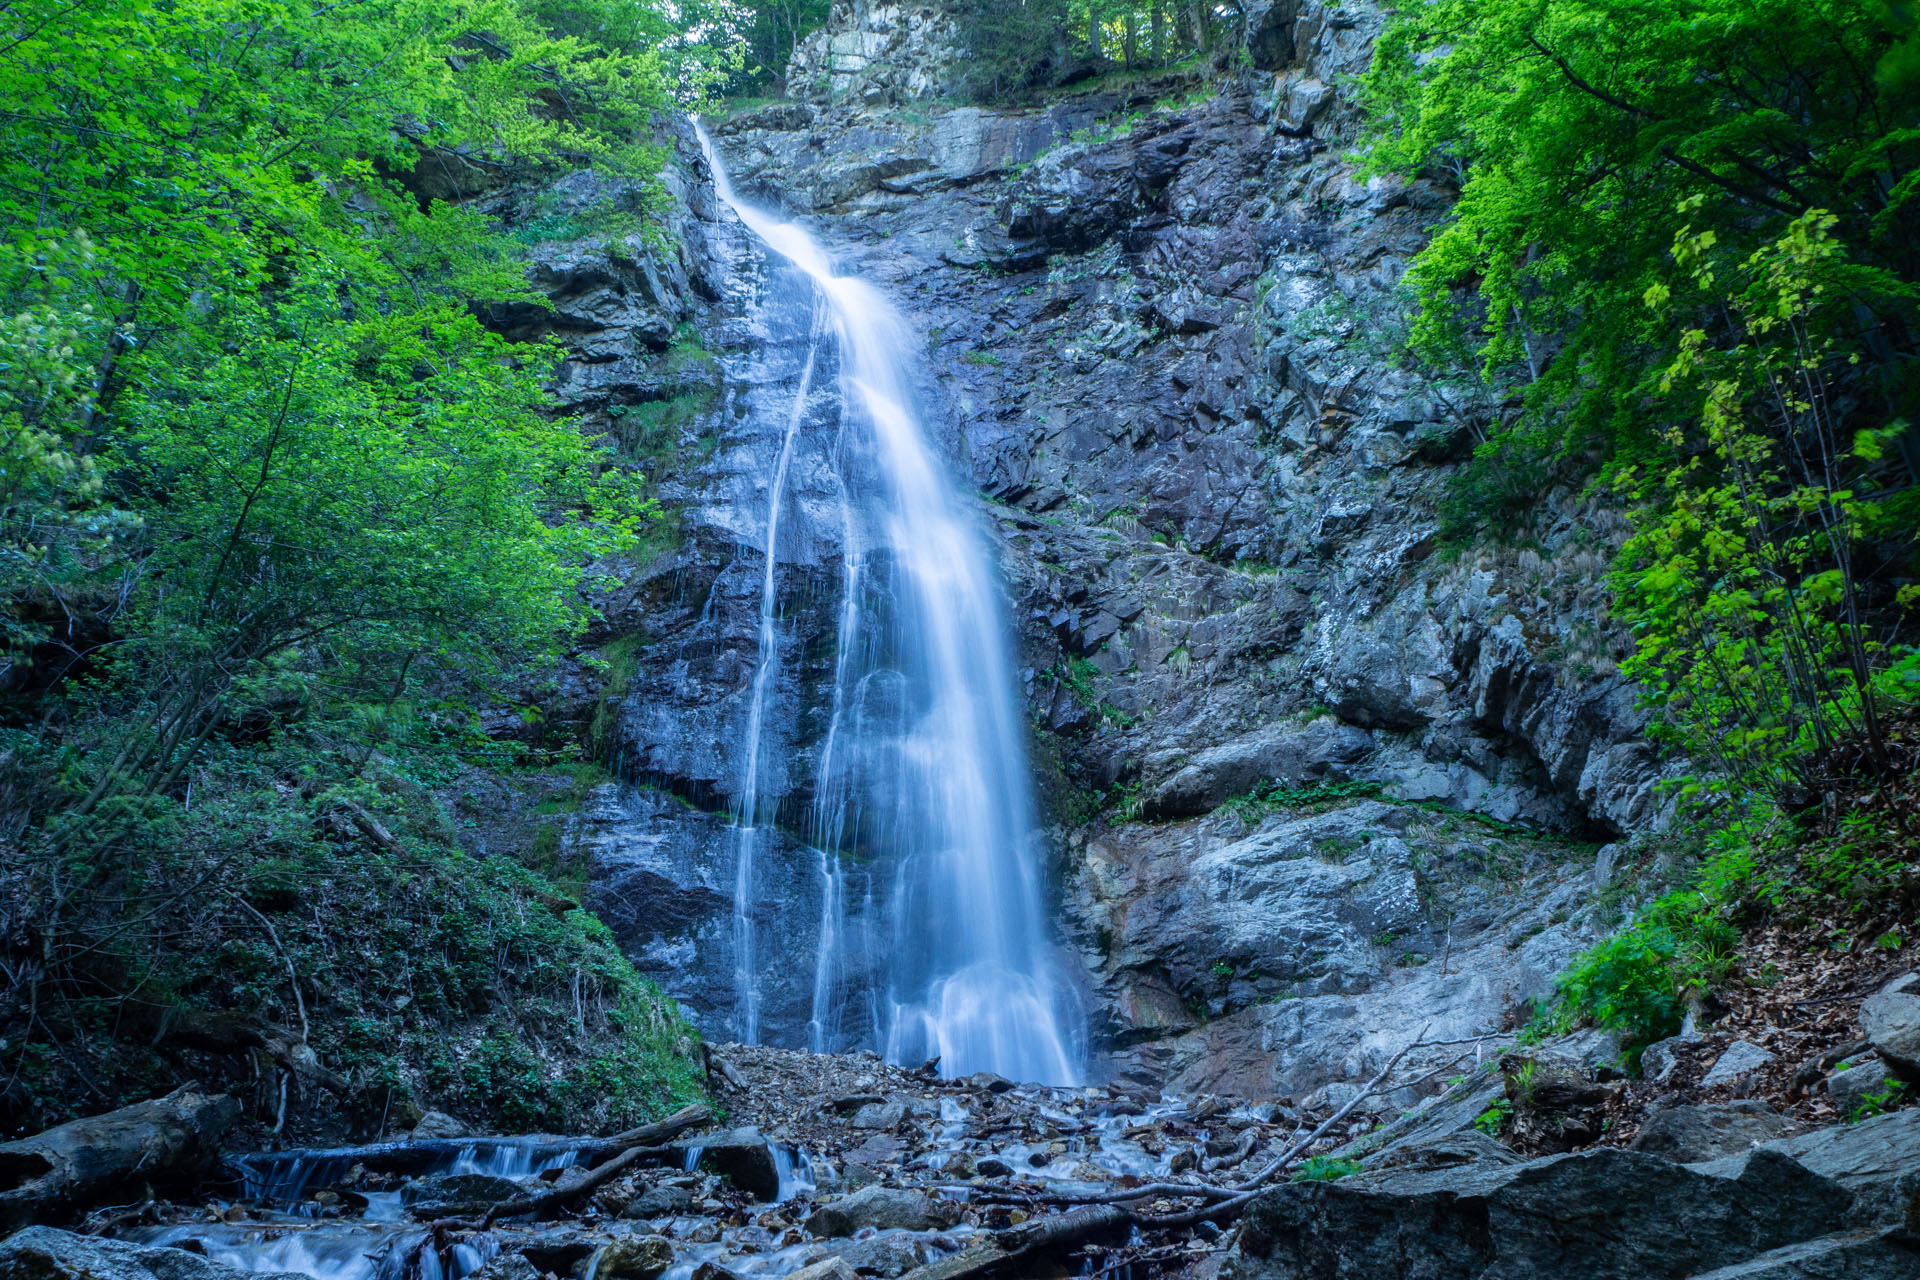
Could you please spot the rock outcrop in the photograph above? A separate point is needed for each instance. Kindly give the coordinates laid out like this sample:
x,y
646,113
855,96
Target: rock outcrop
x,y
1160,327
1838,1199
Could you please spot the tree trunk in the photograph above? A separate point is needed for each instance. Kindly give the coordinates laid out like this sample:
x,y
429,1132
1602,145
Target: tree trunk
x,y
71,1168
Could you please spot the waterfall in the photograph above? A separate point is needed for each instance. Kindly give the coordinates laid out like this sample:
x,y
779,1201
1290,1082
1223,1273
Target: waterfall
x,y
922,787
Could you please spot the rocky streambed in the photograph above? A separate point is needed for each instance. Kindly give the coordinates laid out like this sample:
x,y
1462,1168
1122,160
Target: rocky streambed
x,y
829,1167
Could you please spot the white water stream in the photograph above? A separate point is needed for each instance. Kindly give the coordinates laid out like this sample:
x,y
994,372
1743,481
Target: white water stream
x,y
923,774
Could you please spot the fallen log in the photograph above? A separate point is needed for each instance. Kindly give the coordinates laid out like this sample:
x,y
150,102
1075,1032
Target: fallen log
x,y
1015,1252
70,1168
424,1155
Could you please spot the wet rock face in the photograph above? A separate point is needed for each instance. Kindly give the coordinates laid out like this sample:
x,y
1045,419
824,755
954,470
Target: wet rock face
x,y
1159,332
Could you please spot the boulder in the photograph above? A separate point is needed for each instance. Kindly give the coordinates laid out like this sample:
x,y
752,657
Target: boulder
x,y
826,1269
1741,1059
883,1208
1859,1085
438,1124
658,1202
1891,1021
1856,1255
880,1115
889,1253
634,1258
1690,1135
1605,1214
47,1253
741,1156
457,1195
74,1166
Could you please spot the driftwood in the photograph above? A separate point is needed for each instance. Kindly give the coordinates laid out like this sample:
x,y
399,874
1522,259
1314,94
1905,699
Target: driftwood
x,y
75,1166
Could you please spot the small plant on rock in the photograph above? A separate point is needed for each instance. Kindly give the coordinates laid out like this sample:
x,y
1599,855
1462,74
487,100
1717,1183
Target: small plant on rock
x,y
1326,1169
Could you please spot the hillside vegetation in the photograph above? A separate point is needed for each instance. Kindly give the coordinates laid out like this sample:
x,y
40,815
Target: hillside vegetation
x,y
279,514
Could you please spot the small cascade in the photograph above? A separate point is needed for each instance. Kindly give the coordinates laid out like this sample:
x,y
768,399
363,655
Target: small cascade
x,y
921,789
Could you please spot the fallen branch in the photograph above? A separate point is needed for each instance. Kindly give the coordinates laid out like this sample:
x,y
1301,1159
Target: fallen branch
x,y
72,1167
567,1192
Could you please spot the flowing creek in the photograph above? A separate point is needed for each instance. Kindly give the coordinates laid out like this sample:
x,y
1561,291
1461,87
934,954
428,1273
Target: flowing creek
x,y
324,1214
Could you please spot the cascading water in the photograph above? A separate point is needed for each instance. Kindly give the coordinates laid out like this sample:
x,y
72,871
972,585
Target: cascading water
x,y
921,785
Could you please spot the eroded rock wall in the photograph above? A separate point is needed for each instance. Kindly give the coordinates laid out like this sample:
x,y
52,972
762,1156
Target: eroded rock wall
x,y
1163,328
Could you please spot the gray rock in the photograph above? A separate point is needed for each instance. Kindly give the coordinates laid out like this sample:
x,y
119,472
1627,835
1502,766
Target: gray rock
x,y
741,1156
879,1115
884,1208
993,1167
1325,750
1906,982
1740,1060
1878,1160
887,1254
1693,1134
457,1195
634,1258
658,1202
1891,1021
1605,1214
46,1253
438,1124
1659,1060
826,1269
1859,1255
510,1266
1859,1083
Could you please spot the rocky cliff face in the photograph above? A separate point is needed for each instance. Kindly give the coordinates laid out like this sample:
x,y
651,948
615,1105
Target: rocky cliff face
x,y
1161,327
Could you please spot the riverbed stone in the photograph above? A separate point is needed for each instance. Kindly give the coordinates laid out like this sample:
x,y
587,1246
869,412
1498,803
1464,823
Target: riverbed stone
x,y
883,1208
741,1156
634,1258
458,1195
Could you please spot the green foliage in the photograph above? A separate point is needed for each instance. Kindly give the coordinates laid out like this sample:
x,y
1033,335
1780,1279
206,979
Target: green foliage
x,y
1272,796
1576,127
1325,1168
467,982
1740,581
1019,46
280,510
1494,1119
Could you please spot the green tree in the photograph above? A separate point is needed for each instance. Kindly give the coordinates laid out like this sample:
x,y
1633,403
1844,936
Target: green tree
x,y
1574,128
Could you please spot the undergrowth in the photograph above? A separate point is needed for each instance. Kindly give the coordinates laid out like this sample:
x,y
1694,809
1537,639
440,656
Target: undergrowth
x,y
308,888
1849,867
